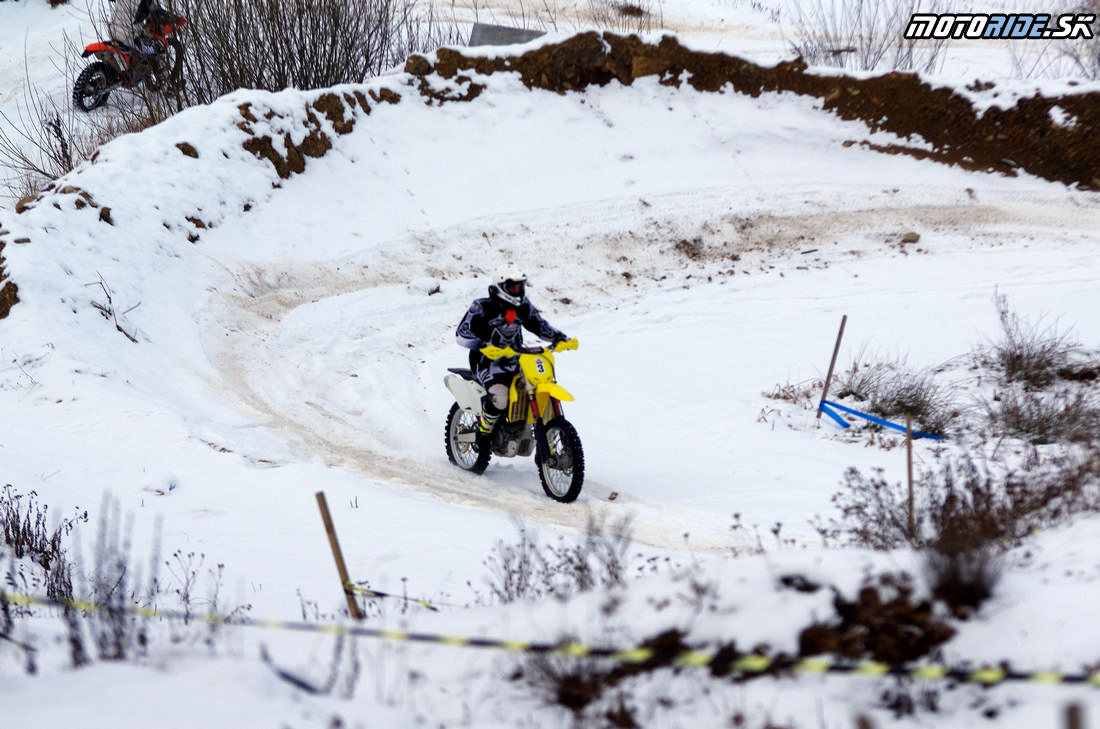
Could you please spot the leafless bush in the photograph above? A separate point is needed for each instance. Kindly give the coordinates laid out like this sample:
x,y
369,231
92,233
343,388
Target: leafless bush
x,y
304,44
23,528
529,570
625,16
229,44
891,389
1060,57
1083,55
863,34
802,394
962,498
48,140
1028,352
1042,417
965,516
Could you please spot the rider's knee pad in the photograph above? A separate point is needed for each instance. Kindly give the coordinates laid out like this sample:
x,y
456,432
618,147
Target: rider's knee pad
x,y
489,407
499,395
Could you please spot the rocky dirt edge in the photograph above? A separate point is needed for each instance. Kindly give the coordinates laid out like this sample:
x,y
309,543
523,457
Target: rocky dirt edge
x,y
1049,137
1025,136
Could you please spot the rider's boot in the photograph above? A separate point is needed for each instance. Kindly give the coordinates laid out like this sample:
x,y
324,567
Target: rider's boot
x,y
486,422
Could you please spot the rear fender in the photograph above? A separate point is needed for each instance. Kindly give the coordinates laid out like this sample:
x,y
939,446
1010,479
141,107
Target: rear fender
x,y
101,48
467,393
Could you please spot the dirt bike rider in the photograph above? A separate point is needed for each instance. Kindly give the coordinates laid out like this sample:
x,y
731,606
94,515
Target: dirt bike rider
x,y
499,320
127,26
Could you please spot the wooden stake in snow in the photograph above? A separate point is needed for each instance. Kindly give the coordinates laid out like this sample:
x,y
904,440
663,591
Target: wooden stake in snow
x,y
832,363
909,471
341,568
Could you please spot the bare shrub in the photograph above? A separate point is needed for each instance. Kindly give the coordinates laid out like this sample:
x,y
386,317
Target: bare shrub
x,y
964,516
116,631
1028,352
49,140
1060,57
23,526
257,44
633,16
1083,55
529,570
863,34
961,497
801,394
891,389
1042,417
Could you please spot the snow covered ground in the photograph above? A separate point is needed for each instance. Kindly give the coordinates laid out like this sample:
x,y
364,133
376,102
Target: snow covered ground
x,y
298,345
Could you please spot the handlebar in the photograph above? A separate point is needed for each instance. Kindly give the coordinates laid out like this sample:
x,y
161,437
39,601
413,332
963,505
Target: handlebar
x,y
494,352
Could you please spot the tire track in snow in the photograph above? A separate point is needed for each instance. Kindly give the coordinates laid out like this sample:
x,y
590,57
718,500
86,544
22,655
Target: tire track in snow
x,y
261,350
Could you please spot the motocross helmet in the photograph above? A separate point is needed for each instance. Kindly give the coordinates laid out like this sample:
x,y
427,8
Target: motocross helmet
x,y
509,285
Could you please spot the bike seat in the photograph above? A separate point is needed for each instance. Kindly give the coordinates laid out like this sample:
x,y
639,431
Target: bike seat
x,y
463,372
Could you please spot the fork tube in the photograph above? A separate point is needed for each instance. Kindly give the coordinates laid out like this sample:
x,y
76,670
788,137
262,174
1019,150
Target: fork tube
x,y
542,446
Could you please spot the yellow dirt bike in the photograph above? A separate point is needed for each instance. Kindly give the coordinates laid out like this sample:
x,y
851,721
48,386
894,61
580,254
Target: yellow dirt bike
x,y
532,422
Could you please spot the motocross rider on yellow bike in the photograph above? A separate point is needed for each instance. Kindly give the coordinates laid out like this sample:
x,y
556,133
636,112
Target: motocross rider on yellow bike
x,y
499,320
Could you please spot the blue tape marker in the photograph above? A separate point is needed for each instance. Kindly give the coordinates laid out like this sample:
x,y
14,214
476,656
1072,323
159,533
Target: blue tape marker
x,y
840,421
872,418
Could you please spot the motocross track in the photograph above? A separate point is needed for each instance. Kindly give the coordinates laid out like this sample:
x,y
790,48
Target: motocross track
x,y
256,354
257,345
267,328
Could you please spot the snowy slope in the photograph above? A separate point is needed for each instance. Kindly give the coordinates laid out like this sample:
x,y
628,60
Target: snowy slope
x,y
293,346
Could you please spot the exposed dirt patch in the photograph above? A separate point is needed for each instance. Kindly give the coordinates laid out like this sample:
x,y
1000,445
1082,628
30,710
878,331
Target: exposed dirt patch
x,y
1024,136
9,292
945,124
883,623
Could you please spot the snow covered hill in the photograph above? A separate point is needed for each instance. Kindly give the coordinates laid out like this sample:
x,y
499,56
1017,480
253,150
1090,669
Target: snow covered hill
x,y
210,343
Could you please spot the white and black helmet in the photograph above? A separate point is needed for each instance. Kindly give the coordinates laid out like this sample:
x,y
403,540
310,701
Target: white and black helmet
x,y
509,284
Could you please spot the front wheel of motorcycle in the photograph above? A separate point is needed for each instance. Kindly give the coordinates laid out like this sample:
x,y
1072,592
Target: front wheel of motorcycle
x,y
166,73
562,469
460,437
93,86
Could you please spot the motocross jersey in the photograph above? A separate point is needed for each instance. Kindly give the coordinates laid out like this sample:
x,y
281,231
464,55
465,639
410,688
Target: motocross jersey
x,y
127,19
489,321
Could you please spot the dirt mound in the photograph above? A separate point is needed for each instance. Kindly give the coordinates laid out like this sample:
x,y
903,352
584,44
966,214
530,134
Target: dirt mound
x,y
1050,137
883,623
9,292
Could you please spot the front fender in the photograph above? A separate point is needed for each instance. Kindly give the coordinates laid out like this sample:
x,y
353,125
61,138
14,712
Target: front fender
x,y
554,390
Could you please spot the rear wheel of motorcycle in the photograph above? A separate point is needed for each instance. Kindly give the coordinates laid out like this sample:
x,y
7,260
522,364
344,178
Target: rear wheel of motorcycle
x,y
459,439
562,471
93,86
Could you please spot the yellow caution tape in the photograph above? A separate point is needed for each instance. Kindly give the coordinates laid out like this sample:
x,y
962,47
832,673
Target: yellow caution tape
x,y
748,664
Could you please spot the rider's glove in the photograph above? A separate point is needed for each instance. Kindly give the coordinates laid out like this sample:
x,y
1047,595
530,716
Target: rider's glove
x,y
558,339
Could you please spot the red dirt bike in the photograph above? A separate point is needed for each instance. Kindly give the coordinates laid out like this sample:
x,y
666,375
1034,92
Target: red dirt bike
x,y
119,66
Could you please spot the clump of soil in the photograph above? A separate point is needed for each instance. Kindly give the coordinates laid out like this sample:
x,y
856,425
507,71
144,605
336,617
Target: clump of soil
x,y
883,623
9,292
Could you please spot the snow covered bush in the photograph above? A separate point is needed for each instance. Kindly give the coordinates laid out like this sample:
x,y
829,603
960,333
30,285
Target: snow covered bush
x,y
891,389
1026,351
